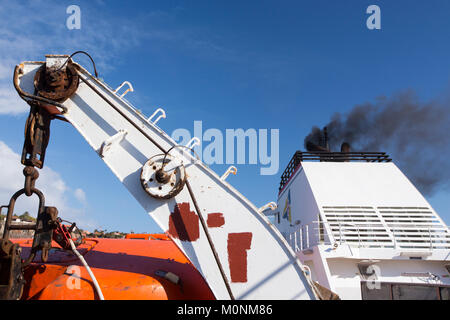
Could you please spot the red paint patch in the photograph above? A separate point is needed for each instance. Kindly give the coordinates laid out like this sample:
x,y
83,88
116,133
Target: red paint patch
x,y
238,244
215,220
183,223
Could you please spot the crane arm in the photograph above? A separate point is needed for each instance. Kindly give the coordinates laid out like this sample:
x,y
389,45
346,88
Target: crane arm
x,y
230,242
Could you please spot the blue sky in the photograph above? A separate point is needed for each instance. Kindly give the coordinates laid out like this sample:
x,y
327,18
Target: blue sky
x,y
232,64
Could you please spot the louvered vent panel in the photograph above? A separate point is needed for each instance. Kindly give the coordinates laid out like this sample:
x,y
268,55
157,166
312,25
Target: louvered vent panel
x,y
400,227
416,227
357,225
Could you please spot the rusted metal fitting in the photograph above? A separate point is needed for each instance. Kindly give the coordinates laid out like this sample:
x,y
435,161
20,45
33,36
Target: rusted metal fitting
x,y
11,206
45,229
31,175
161,176
18,72
12,279
37,136
52,213
5,247
46,222
55,83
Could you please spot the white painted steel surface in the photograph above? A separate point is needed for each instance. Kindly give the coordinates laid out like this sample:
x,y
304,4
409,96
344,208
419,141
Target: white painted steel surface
x,y
273,270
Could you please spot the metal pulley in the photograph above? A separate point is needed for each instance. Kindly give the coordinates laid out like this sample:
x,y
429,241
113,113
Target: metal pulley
x,y
163,176
57,79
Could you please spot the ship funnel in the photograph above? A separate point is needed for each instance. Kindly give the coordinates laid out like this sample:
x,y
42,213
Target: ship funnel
x,y
345,147
321,138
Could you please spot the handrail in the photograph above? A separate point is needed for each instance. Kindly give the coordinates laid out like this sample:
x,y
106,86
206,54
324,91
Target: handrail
x,y
328,156
303,237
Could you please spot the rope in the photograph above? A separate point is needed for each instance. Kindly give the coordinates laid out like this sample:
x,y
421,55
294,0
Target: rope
x,y
85,53
94,280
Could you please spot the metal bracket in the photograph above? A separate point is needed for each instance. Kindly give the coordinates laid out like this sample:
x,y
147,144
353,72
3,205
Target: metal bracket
x,y
193,142
162,115
56,62
231,169
12,280
111,141
130,88
271,205
172,277
37,135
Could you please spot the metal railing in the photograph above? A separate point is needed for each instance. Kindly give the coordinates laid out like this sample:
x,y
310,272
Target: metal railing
x,y
326,156
368,235
16,234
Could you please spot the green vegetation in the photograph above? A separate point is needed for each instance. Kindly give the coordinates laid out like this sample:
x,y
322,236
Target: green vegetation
x,y
26,217
23,217
96,234
106,234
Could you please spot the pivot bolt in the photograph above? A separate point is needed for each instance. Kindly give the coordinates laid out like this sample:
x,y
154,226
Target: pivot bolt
x,y
162,176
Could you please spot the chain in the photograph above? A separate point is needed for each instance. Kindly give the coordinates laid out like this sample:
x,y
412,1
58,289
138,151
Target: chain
x,y
31,175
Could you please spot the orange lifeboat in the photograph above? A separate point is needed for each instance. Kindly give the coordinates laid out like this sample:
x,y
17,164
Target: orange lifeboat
x,y
147,236
126,269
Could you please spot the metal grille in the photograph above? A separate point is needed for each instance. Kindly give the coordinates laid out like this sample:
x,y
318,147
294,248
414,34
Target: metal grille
x,y
416,227
399,227
358,225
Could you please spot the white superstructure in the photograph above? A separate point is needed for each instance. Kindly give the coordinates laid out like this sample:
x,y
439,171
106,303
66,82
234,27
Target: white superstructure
x,y
362,228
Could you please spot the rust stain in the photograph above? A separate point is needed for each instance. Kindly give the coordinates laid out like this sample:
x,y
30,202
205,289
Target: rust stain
x,y
238,244
183,223
215,220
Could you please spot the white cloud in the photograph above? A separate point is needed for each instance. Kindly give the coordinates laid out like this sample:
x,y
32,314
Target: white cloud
x,y
31,29
80,195
5,71
10,103
70,204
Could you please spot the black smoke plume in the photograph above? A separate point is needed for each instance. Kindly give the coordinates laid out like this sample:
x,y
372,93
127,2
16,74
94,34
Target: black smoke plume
x,y
415,134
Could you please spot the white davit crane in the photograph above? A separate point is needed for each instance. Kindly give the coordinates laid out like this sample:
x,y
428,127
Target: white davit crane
x,y
230,242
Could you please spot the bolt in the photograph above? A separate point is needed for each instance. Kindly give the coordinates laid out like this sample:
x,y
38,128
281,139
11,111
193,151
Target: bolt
x,y
162,176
